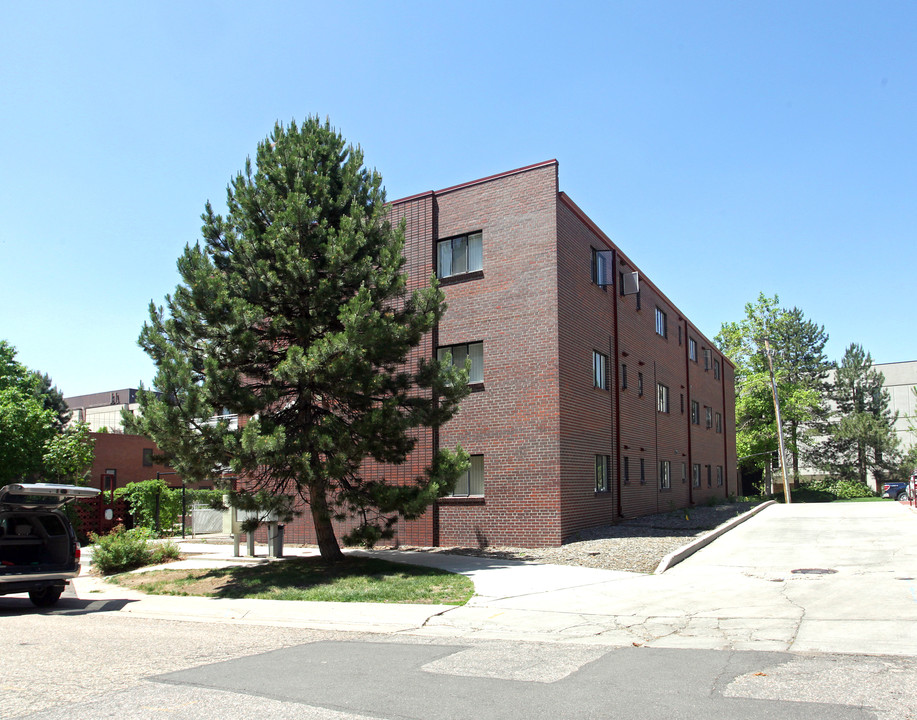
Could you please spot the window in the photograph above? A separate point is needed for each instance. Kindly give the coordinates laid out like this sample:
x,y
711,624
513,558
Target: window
x,y
706,359
719,476
665,475
682,396
626,470
695,412
599,372
662,398
459,255
709,477
695,475
147,457
623,376
460,353
692,349
601,273
716,369
638,299
679,334
471,482
662,327
640,384
708,417
601,473
642,471
684,472
719,423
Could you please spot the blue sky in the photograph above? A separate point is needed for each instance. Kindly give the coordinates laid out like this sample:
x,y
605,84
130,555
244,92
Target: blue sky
x,y
729,148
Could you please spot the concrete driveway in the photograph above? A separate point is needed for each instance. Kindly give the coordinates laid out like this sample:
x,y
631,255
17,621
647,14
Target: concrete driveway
x,y
838,577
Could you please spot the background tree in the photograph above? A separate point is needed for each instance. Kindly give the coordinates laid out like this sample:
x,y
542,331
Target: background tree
x,y
860,435
34,444
800,368
294,314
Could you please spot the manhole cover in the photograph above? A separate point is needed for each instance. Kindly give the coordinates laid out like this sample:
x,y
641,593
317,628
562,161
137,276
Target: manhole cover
x,y
813,571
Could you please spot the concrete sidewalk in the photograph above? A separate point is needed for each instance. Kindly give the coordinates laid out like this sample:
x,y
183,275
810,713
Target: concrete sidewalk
x,y
760,587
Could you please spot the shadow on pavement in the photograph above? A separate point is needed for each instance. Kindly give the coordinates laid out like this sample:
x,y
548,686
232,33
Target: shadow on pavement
x,y
11,606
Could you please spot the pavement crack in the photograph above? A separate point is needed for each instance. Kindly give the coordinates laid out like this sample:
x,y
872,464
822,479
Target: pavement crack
x,y
802,614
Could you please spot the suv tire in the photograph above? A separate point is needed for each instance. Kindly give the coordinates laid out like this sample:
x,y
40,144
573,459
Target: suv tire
x,y
45,597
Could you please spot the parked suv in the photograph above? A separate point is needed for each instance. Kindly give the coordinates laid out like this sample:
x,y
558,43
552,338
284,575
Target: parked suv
x,y
39,553
895,490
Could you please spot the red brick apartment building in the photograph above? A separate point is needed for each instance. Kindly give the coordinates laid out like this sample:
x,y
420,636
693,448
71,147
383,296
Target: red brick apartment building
x,y
587,405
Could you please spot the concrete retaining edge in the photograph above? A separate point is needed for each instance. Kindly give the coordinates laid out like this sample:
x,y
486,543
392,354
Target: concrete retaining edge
x,y
676,556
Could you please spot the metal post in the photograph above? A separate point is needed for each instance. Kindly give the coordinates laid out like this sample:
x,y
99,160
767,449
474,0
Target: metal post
x,y
770,365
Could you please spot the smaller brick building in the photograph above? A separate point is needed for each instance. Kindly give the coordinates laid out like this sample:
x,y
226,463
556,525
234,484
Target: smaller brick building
x,y
119,458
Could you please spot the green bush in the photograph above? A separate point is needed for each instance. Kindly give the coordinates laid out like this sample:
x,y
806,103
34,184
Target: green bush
x,y
839,488
124,550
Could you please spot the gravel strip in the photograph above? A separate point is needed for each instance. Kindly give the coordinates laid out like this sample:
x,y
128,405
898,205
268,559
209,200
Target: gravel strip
x,y
636,545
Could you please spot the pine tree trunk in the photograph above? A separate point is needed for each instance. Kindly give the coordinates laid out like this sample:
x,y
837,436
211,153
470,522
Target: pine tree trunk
x,y
861,462
324,530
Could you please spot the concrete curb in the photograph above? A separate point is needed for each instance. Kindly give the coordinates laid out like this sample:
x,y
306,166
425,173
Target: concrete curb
x,y
676,556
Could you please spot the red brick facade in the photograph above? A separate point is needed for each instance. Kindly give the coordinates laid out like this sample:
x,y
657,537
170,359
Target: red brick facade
x,y
537,419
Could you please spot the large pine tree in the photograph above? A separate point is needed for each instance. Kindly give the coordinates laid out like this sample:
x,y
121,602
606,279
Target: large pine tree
x,y
860,437
294,314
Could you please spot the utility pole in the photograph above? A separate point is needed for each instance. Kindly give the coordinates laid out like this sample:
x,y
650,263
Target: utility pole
x,y
770,366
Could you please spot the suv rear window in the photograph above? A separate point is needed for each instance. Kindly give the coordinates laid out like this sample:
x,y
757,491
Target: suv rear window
x,y
52,525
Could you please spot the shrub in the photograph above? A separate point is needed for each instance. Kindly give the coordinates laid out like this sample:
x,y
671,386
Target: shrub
x,y
838,488
123,550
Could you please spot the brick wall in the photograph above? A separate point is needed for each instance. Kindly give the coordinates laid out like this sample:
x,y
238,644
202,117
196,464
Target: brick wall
x,y
124,454
512,309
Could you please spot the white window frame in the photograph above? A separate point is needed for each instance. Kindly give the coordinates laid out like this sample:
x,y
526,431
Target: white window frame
x,y
601,473
471,480
718,422
460,255
719,476
601,273
662,398
692,349
474,350
599,370
662,326
695,475
708,417
695,412
665,475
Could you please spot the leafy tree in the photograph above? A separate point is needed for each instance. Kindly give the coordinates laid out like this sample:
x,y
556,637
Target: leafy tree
x,y
25,427
800,369
860,437
34,443
294,314
68,455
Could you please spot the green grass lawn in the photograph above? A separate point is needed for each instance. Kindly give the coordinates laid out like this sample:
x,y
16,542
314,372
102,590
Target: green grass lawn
x,y
355,579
